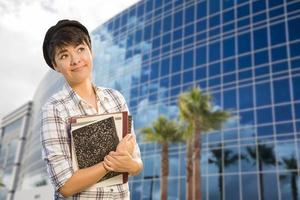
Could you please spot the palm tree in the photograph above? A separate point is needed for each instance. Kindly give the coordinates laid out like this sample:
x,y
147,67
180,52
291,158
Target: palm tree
x,y
1,183
291,165
163,131
229,159
196,109
265,156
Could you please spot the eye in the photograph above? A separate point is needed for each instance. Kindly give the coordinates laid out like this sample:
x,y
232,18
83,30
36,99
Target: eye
x,y
81,49
63,56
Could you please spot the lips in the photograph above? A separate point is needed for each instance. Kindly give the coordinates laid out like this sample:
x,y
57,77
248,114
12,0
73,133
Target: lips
x,y
78,68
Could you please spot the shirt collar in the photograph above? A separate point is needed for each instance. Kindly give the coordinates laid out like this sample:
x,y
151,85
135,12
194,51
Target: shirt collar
x,y
100,93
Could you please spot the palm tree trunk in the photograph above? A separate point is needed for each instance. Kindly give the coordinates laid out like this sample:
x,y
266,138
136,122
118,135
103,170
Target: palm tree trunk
x,y
189,169
261,179
294,186
221,182
164,171
196,162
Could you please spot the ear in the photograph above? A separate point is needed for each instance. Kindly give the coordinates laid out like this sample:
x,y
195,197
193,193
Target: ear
x,y
55,67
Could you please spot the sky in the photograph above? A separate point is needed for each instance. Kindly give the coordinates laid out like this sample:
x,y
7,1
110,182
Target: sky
x,y
23,24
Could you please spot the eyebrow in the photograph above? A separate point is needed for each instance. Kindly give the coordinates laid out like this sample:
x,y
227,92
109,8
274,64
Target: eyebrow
x,y
61,51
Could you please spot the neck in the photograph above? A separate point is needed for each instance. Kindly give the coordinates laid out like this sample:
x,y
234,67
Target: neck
x,y
85,90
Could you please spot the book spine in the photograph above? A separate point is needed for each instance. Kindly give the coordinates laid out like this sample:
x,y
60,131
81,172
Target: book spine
x,y
125,132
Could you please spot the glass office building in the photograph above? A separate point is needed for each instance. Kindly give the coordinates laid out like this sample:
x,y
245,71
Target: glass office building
x,y
246,54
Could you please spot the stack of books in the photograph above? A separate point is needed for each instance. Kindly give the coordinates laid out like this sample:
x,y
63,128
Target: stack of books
x,y
93,137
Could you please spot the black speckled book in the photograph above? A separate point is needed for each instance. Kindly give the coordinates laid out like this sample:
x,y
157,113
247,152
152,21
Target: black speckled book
x,y
93,137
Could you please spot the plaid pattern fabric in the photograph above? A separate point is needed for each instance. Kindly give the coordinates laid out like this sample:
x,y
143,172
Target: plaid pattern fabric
x,y
56,140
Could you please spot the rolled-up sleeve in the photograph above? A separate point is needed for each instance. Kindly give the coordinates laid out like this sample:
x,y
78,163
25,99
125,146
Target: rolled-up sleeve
x,y
55,146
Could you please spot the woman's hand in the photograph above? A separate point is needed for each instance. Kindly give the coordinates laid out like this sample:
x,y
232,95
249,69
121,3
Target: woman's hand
x,y
127,144
120,162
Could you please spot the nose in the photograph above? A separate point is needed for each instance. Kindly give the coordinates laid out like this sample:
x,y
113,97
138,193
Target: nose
x,y
75,59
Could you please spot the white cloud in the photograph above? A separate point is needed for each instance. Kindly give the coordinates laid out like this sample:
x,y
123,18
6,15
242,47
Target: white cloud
x,y
23,24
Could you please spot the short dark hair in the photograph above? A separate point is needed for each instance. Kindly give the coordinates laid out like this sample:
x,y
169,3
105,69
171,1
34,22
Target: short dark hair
x,y
65,36
64,32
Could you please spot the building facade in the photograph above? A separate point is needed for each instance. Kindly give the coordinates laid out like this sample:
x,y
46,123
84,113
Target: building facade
x,y
14,130
245,53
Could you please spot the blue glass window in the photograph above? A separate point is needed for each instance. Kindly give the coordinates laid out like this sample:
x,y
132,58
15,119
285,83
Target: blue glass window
x,y
294,29
279,53
189,14
261,57
201,10
188,76
296,88
263,94
245,74
270,190
282,66
260,38
245,62
200,56
214,6
157,28
228,47
244,43
262,71
165,67
167,23
201,73
188,30
175,80
140,10
158,3
154,71
214,51
265,130
281,91
228,16
228,27
297,110
229,78
249,184
177,34
259,5
214,69
178,19
284,128
232,183
264,115
278,12
243,11
201,25
259,18
214,21
164,82
229,66
283,113
230,99
138,36
147,32
295,49
278,34
246,97
274,3
176,63
214,82
166,39
246,118
149,6
227,4
188,59
156,43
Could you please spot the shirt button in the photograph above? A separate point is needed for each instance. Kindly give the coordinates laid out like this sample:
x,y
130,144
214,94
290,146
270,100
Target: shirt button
x,y
111,190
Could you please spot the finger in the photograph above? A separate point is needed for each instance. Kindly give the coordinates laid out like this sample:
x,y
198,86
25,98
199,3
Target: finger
x,y
107,167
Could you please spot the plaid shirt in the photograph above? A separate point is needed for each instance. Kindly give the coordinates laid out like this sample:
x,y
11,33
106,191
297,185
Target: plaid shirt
x,y
56,140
